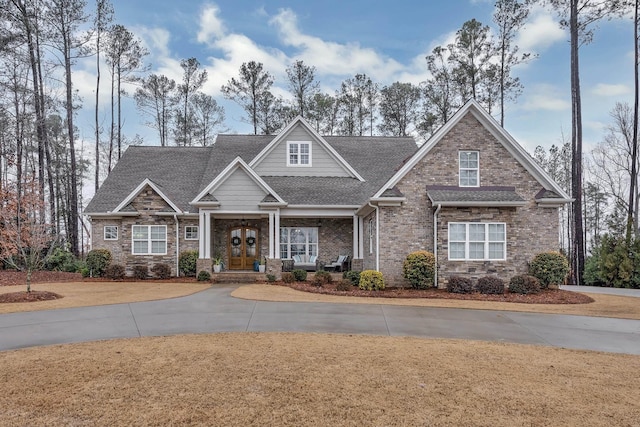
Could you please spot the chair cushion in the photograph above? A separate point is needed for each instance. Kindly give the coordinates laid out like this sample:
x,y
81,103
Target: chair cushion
x,y
313,258
297,258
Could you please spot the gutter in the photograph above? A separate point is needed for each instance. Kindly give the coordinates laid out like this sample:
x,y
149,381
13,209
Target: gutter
x,y
175,217
377,236
435,244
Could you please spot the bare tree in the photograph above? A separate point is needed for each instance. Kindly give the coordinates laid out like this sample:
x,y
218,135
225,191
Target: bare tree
x,y
192,80
302,85
156,97
208,118
399,108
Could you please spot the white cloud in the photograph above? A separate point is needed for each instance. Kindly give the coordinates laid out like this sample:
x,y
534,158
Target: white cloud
x,y
541,32
211,27
603,89
545,97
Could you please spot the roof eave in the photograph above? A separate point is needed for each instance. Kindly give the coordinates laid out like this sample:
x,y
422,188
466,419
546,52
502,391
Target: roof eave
x,y
553,202
110,214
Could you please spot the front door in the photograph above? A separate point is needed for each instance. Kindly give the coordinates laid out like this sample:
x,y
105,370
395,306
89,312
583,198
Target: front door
x,y
243,244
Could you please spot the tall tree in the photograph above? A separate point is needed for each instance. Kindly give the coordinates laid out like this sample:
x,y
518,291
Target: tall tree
x,y
356,99
399,108
470,54
302,85
248,90
193,77
208,118
440,92
634,195
156,97
323,112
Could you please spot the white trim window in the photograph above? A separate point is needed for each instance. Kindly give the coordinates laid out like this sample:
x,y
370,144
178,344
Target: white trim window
x,y
298,241
110,232
149,239
469,168
475,241
191,232
298,153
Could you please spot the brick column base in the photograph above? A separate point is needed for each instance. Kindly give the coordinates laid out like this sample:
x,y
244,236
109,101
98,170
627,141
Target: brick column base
x,y
203,264
357,264
274,266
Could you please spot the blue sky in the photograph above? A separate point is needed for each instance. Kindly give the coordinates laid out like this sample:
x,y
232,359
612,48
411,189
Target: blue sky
x,y
388,41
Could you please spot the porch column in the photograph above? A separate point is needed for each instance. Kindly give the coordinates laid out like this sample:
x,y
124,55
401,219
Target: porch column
x,y
271,234
203,235
356,237
207,235
276,238
361,237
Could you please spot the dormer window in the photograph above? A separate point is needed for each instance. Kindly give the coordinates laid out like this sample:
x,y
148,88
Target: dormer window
x,y
298,153
469,163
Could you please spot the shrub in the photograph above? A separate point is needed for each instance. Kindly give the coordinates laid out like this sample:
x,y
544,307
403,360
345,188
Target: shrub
x,y
490,285
84,271
61,260
115,272
614,263
140,272
187,263
524,284
318,282
204,276
288,277
271,278
300,275
97,261
419,269
324,276
460,285
371,280
161,270
352,276
344,285
550,268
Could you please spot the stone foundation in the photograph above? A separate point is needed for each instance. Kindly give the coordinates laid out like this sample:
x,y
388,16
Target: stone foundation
x,y
274,266
204,264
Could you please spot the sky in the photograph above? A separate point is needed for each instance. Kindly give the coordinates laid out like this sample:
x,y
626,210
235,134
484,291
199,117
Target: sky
x,y
385,40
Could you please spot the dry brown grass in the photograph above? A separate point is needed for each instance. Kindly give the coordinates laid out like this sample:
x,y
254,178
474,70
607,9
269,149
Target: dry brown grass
x,y
604,305
82,294
279,379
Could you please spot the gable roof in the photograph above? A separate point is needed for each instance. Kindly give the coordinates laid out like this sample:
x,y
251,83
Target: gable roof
x,y
501,135
138,190
299,120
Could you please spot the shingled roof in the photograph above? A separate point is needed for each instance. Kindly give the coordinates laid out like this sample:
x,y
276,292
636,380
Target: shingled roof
x,y
480,196
183,172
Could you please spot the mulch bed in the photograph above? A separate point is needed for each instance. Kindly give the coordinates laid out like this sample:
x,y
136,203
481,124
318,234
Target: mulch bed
x,y
25,296
548,296
13,277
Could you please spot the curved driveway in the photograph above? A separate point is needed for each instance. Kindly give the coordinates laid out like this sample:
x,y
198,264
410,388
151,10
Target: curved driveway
x,y
214,310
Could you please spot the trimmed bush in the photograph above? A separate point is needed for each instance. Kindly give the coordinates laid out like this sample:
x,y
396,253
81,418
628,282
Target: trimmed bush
x,y
490,285
318,282
460,285
187,263
352,276
324,276
550,268
97,261
524,284
288,277
371,280
84,271
419,269
300,275
115,272
271,278
161,270
344,285
140,272
62,260
204,276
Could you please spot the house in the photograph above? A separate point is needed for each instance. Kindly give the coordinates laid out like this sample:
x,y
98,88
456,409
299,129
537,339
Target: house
x,y
471,194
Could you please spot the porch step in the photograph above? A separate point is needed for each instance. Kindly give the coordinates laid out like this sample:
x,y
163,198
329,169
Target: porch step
x,y
241,276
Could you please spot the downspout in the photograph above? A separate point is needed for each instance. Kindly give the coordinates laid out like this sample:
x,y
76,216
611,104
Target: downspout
x,y
435,244
175,217
377,236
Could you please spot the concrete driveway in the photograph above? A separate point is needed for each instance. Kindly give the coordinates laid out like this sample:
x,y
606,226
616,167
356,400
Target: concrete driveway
x,y
214,310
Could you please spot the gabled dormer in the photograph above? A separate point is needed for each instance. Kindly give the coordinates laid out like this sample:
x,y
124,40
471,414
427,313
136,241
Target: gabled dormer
x,y
301,151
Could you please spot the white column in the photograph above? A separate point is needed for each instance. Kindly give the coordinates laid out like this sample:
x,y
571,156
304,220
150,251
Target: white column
x,y
277,234
203,235
361,237
271,234
207,242
356,234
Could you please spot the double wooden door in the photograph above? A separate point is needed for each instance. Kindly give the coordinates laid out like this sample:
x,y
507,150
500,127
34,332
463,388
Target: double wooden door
x,y
243,248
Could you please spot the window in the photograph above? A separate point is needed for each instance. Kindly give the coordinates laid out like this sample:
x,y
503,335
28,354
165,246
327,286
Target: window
x,y
149,239
469,168
191,232
477,241
298,153
110,232
298,241
370,236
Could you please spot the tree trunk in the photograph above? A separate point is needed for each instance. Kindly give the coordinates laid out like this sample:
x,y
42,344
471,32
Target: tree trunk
x,y
72,231
634,152
97,124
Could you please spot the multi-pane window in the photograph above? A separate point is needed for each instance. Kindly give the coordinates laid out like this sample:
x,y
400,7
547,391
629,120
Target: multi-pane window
x,y
298,241
469,168
110,232
191,232
149,239
477,241
298,153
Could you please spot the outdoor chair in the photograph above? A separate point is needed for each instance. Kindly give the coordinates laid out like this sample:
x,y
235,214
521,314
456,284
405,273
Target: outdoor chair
x,y
341,264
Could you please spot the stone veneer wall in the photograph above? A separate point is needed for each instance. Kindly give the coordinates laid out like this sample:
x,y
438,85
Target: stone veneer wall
x,y
147,203
530,229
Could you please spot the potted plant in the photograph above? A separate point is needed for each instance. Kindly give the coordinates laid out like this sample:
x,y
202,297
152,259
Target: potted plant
x,y
262,266
217,262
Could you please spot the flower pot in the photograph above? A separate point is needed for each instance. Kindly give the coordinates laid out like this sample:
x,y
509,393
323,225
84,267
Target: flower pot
x,y
261,268
216,268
